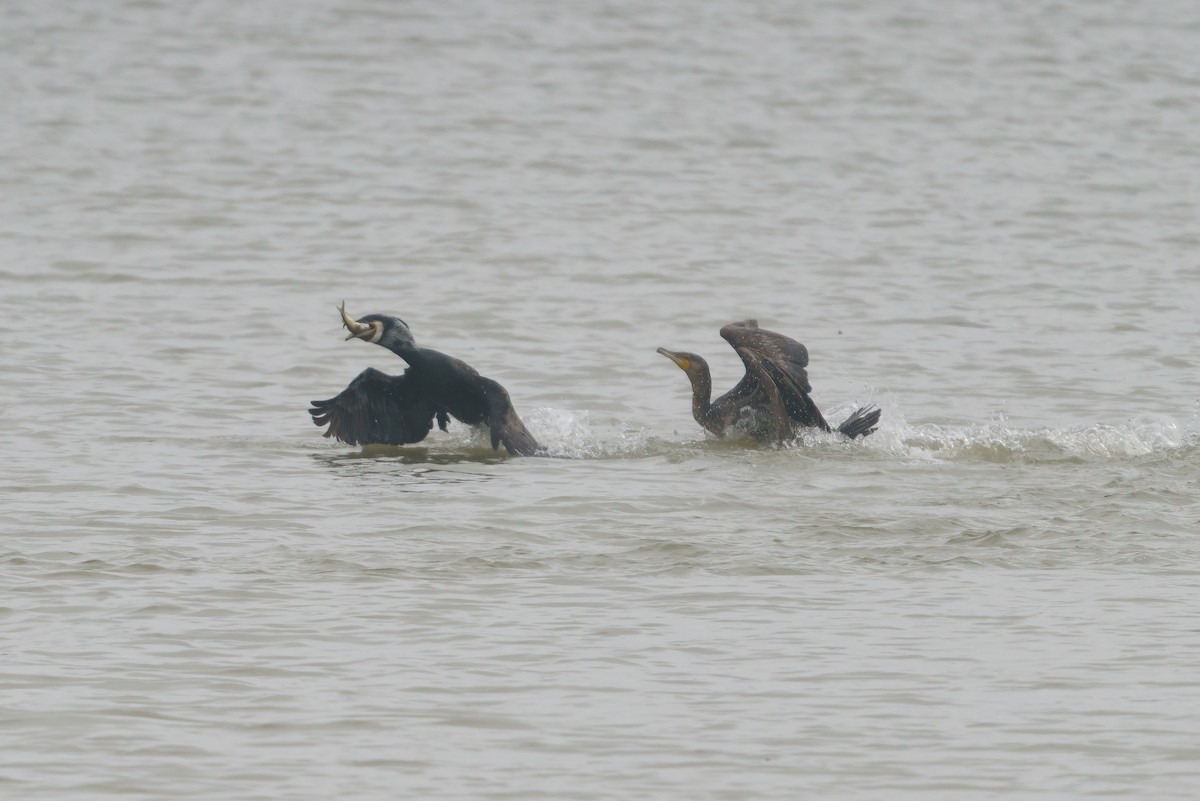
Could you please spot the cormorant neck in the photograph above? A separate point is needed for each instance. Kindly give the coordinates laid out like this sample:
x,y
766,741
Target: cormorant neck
x,y
405,349
701,380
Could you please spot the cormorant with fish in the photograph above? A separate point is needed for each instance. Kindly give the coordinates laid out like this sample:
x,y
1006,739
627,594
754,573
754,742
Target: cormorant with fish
x,y
772,398
377,408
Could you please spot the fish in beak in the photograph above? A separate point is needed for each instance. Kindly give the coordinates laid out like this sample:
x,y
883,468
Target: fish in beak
x,y
357,330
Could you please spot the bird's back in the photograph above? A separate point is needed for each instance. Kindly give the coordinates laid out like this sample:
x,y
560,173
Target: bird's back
x,y
449,383
458,388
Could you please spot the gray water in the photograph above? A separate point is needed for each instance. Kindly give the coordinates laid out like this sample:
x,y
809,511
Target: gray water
x,y
982,218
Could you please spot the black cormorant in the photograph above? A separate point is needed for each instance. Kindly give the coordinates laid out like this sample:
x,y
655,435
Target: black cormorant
x,y
773,396
377,408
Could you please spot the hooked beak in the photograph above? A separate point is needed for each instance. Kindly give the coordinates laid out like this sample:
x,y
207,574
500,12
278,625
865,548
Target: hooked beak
x,y
357,330
680,361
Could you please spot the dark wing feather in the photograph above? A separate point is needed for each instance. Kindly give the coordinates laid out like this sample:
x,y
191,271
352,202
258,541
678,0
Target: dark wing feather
x,y
788,355
503,423
756,366
800,405
376,408
783,360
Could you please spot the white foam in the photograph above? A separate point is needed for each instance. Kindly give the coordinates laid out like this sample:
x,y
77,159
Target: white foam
x,y
573,434
999,441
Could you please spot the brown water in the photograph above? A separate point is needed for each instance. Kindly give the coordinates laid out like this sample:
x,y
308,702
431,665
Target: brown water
x,y
983,220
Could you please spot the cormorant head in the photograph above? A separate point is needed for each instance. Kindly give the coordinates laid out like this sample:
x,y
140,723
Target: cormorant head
x,y
390,332
690,363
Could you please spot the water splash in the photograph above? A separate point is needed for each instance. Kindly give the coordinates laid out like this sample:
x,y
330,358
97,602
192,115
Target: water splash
x,y
573,435
999,441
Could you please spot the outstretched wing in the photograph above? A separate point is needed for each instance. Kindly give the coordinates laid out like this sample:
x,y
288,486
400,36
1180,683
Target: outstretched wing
x,y
785,353
783,360
376,408
503,423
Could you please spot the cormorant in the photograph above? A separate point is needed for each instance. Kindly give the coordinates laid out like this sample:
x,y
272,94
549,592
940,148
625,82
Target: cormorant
x,y
772,397
395,410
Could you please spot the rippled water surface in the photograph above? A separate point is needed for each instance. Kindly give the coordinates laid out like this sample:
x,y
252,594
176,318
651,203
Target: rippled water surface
x,y
982,219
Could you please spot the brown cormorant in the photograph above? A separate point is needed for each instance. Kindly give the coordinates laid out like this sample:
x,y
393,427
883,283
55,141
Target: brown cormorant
x,y
377,408
773,396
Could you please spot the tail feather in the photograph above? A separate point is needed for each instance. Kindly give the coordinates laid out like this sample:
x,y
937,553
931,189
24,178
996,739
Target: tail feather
x,y
516,437
504,424
862,422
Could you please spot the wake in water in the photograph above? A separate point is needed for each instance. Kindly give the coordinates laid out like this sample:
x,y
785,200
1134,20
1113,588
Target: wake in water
x,y
1000,441
566,434
572,435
